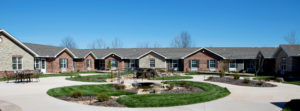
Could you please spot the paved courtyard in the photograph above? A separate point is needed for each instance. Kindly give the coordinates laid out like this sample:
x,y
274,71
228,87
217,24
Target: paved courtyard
x,y
33,97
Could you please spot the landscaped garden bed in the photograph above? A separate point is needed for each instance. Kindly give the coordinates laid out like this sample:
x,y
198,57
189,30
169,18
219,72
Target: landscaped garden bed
x,y
173,78
240,82
170,93
91,78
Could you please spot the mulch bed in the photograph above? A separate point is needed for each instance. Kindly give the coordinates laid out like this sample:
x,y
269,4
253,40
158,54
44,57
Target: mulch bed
x,y
239,82
109,103
191,89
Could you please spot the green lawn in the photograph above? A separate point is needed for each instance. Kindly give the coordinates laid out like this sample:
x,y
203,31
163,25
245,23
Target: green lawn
x,y
92,78
293,105
210,92
264,78
87,90
293,82
173,78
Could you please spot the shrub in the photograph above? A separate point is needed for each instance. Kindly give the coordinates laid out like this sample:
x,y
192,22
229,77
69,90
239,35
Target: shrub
x,y
170,87
78,70
246,80
222,74
79,76
102,97
182,83
260,83
76,94
236,76
119,86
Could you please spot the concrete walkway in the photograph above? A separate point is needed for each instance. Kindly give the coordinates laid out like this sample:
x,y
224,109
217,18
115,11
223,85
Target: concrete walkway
x,y
33,97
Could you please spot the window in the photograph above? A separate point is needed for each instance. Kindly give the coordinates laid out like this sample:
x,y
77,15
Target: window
x,y
212,63
194,63
283,64
152,63
88,63
37,64
63,63
232,64
113,63
132,64
174,63
17,63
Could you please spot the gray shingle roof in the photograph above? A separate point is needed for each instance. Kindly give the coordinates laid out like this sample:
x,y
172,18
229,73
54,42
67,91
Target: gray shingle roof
x,y
243,52
170,53
291,50
44,50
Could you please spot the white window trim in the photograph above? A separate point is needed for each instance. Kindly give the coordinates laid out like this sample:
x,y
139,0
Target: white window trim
x,y
88,63
17,63
232,63
37,63
195,63
132,61
154,63
64,63
174,63
210,63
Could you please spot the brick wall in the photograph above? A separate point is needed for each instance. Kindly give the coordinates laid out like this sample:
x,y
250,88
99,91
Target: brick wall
x,y
53,64
121,63
81,64
203,56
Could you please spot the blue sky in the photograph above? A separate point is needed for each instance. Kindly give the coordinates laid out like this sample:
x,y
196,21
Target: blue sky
x,y
211,23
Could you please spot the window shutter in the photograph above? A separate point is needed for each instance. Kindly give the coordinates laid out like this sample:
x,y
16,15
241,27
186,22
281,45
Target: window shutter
x,y
207,64
60,61
190,62
216,63
198,61
67,63
116,63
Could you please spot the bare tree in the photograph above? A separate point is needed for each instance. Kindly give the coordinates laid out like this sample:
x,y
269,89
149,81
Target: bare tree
x,y
68,42
156,45
182,41
116,43
290,38
143,45
98,44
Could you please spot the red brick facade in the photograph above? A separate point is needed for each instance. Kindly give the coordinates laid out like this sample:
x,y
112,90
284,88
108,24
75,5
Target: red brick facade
x,y
53,63
203,56
121,62
81,64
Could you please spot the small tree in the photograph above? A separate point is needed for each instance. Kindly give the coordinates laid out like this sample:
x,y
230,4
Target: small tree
x,y
259,63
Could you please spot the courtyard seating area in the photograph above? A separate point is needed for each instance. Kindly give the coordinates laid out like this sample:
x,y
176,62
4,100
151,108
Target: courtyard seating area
x,y
22,76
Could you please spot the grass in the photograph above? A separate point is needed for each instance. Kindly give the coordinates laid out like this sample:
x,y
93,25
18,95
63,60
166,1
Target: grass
x,y
173,78
293,105
293,82
92,78
87,90
210,92
264,78
215,74
65,74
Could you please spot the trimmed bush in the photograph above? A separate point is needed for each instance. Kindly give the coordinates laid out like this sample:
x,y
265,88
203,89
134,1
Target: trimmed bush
x,y
119,86
260,83
222,74
236,76
76,94
170,87
246,81
103,97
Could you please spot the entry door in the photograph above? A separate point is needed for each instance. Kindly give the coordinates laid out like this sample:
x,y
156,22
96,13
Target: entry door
x,y
44,66
113,64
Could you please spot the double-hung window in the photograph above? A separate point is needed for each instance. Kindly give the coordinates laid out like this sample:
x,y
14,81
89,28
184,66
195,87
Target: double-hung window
x,y
283,64
152,63
174,63
37,63
212,63
232,64
17,63
63,63
132,63
194,63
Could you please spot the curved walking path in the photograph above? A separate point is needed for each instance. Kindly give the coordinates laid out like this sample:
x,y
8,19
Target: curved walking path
x,y
33,97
